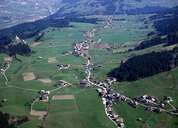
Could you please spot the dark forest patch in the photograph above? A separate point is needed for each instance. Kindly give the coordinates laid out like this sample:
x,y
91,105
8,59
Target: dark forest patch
x,y
146,65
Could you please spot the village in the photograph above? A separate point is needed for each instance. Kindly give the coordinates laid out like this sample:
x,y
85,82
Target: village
x,y
108,96
104,88
5,66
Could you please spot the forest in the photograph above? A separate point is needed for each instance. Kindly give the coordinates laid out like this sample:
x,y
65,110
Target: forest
x,y
166,27
8,46
8,121
146,65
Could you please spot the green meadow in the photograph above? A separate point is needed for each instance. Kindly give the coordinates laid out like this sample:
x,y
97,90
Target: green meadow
x,y
164,84
86,110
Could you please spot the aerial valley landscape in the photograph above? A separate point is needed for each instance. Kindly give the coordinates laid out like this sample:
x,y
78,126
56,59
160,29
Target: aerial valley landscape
x,y
88,64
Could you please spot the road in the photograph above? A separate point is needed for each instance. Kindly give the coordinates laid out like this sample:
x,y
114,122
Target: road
x,y
108,96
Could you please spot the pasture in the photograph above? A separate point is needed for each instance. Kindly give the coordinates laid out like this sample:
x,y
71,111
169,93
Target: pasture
x,y
85,110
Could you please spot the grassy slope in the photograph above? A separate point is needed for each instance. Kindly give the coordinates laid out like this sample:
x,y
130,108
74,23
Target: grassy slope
x,y
127,31
18,100
164,84
122,32
85,111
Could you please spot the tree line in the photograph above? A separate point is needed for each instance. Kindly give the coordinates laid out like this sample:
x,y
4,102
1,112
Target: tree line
x,y
8,121
166,27
145,65
7,46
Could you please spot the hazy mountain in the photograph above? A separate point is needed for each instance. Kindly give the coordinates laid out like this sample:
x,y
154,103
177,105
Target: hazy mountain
x,y
18,11
87,7
13,12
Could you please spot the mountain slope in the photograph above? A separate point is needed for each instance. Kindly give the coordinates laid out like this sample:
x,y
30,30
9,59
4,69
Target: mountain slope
x,y
13,12
86,7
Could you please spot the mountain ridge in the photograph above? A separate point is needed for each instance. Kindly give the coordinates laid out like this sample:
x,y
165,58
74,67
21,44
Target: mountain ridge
x,y
14,12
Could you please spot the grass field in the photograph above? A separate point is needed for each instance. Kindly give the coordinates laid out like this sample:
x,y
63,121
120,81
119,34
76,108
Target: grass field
x,y
164,84
86,110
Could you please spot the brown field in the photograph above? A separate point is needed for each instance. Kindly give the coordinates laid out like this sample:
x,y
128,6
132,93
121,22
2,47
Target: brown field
x,y
63,97
39,114
52,60
28,76
45,80
35,44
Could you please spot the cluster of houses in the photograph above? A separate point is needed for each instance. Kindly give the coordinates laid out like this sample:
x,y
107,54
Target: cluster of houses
x,y
108,97
6,64
107,83
63,66
44,95
104,87
146,99
151,103
81,48
111,80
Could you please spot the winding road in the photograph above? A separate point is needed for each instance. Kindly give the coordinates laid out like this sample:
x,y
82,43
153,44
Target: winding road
x,y
107,94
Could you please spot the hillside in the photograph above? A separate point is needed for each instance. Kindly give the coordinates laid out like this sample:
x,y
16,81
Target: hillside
x,y
158,86
146,65
166,29
141,66
12,11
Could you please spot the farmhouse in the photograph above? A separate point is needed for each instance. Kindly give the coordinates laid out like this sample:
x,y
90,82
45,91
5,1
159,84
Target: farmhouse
x,y
44,95
2,70
168,99
84,83
63,66
162,105
111,80
133,103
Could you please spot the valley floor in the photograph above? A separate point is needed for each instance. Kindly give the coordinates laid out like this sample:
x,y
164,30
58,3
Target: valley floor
x,y
85,109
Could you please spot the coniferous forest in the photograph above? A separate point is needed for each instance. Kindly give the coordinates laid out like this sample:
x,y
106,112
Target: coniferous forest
x,y
146,65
